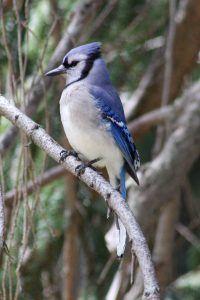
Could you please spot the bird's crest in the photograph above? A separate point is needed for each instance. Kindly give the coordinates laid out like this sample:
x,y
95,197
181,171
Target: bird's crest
x,y
91,50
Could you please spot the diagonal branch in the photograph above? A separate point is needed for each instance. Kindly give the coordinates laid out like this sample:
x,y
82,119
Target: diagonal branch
x,y
99,184
142,124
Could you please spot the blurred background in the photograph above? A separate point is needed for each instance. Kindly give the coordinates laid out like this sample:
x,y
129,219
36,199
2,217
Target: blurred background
x,y
59,241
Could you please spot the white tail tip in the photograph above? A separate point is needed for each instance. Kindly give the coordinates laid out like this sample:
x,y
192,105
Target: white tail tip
x,y
120,237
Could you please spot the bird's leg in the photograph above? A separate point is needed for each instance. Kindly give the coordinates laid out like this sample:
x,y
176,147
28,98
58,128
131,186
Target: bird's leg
x,y
117,189
65,153
118,185
80,170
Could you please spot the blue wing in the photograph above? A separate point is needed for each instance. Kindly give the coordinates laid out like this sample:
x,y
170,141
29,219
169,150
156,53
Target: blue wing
x,y
112,112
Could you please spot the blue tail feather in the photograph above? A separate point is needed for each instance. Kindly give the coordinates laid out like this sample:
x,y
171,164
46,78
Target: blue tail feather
x,y
121,231
122,182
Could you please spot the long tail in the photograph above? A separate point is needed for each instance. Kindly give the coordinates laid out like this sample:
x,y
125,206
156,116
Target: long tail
x,y
120,229
121,237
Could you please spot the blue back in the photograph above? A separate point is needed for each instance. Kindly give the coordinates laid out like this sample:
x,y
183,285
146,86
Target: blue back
x,y
101,87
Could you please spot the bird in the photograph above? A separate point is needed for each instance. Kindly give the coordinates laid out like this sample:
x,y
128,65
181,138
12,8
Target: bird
x,y
94,121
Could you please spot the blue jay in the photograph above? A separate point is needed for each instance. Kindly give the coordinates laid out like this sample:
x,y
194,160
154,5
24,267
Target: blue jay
x,y
93,119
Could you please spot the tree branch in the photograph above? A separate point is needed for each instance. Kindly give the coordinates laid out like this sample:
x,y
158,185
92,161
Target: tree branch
x,y
168,67
168,57
7,139
99,184
71,247
2,220
142,124
188,235
163,252
185,52
168,170
48,176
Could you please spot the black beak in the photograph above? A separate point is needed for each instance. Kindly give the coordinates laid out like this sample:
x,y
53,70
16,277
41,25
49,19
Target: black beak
x,y
60,70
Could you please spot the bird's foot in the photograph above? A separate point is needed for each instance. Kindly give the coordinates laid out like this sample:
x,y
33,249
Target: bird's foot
x,y
65,153
80,169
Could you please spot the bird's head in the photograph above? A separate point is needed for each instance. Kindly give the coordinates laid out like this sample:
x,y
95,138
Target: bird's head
x,y
78,62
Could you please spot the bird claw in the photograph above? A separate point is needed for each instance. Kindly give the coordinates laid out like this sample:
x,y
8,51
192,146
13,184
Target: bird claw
x,y
65,153
80,169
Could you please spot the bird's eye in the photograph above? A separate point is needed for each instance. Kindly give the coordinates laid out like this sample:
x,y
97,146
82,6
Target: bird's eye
x,y
73,64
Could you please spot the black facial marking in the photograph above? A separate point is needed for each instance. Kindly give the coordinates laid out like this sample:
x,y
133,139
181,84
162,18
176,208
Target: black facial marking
x,y
88,66
73,63
95,55
65,62
67,65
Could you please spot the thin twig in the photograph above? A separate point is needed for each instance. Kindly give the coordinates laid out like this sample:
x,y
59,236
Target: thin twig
x,y
168,60
2,207
158,116
188,235
49,176
169,54
8,52
106,269
2,219
99,20
19,49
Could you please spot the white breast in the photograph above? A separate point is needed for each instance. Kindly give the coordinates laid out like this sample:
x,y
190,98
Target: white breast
x,y
85,132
